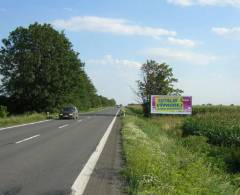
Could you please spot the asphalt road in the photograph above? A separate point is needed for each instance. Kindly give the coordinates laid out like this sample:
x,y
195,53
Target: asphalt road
x,y
46,158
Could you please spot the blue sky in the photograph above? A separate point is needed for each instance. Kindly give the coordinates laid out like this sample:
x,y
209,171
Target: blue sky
x,y
198,38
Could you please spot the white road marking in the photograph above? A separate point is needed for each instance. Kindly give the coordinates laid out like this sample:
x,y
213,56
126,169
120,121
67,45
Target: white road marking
x,y
79,120
26,139
4,128
63,126
81,182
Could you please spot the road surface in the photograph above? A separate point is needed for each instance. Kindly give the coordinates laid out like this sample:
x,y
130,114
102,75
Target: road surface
x,y
46,158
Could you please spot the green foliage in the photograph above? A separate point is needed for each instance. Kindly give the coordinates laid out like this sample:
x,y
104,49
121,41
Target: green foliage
x,y
157,79
211,109
233,160
221,125
42,72
24,118
157,162
3,111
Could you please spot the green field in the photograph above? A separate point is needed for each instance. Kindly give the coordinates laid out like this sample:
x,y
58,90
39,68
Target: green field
x,y
221,128
169,155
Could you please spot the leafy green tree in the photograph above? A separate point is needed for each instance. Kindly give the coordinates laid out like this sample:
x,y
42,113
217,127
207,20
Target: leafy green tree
x,y
157,79
42,72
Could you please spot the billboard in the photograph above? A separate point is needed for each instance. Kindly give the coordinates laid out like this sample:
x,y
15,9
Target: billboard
x,y
162,104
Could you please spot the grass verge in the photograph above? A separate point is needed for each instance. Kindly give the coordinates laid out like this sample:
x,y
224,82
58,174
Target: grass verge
x,y
159,161
20,119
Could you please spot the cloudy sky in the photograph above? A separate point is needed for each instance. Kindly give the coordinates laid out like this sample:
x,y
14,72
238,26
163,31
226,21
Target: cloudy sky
x,y
200,39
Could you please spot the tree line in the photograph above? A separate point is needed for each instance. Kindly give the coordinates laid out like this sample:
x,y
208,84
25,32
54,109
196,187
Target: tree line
x,y
41,72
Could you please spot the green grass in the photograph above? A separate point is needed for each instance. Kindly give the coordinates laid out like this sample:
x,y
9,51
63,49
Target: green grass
x,y
221,128
158,160
220,109
20,119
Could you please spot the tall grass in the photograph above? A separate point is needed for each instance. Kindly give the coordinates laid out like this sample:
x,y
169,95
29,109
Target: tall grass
x,y
222,128
19,119
211,109
160,161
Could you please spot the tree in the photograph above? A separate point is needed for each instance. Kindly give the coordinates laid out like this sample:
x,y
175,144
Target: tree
x,y
156,79
42,72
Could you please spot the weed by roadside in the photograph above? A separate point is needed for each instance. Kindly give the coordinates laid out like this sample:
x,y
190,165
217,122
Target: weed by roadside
x,y
160,161
19,119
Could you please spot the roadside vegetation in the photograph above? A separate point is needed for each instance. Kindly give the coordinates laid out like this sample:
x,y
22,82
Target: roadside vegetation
x,y
40,72
161,158
23,118
220,124
183,155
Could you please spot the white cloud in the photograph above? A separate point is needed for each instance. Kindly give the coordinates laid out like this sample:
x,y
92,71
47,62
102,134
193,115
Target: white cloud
x,y
109,60
227,32
166,54
235,3
181,42
110,25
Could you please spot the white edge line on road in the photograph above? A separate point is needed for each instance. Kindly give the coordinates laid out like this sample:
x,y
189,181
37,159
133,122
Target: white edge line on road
x,y
25,124
81,182
63,126
26,139
79,120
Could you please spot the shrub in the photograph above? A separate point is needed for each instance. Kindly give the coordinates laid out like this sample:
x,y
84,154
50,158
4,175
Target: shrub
x,y
3,111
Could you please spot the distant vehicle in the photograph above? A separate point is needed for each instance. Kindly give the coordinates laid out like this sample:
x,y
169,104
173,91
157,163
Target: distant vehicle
x,y
69,112
119,106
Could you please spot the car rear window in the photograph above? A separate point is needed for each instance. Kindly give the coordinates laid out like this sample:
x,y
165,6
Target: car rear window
x,y
68,109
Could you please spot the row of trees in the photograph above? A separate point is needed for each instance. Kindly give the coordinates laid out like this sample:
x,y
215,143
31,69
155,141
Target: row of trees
x,y
41,72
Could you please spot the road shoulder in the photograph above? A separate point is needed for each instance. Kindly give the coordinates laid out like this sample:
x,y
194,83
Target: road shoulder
x,y
105,178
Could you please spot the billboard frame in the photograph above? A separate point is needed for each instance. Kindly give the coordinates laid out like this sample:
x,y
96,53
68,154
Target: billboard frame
x,y
153,111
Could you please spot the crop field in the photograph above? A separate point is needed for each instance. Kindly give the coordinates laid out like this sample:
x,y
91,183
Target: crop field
x,y
172,155
215,109
219,126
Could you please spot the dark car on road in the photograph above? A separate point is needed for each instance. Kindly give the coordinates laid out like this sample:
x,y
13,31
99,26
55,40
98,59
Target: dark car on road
x,y
69,112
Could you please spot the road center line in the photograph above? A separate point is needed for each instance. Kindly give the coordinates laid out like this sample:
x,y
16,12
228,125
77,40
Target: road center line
x,y
26,139
81,182
63,126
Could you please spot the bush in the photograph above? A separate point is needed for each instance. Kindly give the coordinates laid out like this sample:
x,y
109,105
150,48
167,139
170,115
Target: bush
x,y
3,111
